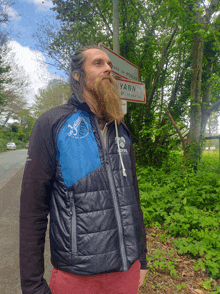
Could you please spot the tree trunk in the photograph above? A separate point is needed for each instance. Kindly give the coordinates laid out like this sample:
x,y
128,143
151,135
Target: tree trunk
x,y
206,101
193,147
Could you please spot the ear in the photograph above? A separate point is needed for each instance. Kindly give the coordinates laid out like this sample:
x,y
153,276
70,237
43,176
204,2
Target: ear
x,y
75,75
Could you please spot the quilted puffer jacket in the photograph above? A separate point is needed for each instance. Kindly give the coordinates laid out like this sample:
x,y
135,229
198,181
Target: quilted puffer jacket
x,y
89,187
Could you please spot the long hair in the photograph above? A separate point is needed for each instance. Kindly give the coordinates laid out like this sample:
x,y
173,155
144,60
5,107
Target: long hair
x,y
77,62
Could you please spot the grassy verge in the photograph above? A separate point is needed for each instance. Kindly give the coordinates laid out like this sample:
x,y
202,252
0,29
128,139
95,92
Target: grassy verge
x,y
186,206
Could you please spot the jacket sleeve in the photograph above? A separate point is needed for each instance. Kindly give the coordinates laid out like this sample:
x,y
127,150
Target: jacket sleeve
x,y
34,207
142,258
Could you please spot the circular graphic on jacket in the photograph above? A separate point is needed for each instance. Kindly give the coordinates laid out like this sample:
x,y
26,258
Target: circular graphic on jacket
x,y
80,129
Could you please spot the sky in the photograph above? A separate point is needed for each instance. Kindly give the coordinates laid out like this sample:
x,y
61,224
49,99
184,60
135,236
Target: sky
x,y
25,15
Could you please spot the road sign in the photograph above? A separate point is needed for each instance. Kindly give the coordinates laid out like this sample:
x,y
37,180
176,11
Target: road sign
x,y
132,91
121,67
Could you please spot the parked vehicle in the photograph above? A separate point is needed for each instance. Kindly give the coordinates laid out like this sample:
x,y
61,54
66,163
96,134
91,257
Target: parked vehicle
x,y
11,146
27,145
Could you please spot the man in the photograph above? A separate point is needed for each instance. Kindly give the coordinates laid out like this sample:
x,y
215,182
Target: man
x,y
81,170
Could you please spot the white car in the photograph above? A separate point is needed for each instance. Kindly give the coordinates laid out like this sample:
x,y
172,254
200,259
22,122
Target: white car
x,y
11,145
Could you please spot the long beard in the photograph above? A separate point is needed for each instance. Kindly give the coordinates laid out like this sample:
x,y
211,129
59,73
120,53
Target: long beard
x,y
105,101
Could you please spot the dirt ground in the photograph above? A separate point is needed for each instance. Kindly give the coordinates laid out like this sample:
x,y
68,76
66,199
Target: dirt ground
x,y
160,281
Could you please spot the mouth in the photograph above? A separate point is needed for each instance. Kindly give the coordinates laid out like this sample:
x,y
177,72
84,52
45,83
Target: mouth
x,y
106,79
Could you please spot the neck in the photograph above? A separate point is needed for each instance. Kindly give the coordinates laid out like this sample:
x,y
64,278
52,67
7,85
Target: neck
x,y
87,96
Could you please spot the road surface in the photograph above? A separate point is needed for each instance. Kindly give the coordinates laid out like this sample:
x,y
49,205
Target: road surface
x,y
9,232
10,162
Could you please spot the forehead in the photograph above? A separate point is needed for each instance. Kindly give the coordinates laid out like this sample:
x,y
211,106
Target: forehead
x,y
95,54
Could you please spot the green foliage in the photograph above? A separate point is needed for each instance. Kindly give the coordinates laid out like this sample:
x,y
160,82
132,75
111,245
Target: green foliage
x,y
216,290
3,70
17,133
21,135
187,206
14,127
180,287
157,36
26,124
159,259
55,94
207,285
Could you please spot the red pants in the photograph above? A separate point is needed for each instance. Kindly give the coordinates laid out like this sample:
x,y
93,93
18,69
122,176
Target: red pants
x,y
110,283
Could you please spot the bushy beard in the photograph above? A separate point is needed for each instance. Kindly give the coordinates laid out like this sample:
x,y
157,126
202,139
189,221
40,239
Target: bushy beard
x,y
105,101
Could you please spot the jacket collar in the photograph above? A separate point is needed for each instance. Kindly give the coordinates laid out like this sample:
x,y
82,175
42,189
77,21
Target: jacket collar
x,y
78,102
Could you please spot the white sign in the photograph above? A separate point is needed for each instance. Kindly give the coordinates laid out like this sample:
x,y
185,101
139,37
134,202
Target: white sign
x,y
132,91
121,66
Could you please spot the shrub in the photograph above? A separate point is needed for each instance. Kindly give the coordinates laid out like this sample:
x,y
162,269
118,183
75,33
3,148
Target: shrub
x,y
187,206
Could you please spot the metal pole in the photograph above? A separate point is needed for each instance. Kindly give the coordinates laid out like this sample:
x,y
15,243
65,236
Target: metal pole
x,y
116,46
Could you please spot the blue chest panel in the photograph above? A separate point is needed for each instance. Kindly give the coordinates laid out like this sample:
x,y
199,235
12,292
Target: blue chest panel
x,y
78,150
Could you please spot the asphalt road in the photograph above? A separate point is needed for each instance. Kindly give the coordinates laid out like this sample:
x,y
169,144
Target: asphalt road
x,y
9,236
10,162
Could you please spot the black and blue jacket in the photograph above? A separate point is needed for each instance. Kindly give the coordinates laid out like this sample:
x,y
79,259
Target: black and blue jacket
x,y
90,191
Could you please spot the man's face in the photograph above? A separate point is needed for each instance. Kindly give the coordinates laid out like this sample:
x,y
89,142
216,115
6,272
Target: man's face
x,y
100,90
96,65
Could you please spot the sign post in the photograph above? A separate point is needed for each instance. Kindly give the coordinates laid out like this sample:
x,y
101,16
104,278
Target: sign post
x,y
116,46
126,73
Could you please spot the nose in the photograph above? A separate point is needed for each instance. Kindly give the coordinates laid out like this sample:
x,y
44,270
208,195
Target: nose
x,y
108,68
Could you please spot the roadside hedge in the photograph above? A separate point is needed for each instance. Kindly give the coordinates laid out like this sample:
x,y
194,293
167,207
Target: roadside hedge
x,y
186,205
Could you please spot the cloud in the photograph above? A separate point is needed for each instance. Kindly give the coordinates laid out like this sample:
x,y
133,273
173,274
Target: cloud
x,y
34,66
42,4
12,13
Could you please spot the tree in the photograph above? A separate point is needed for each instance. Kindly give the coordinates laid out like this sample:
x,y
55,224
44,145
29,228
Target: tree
x,y
3,70
56,93
202,19
139,43
3,40
13,87
4,17
26,122
168,41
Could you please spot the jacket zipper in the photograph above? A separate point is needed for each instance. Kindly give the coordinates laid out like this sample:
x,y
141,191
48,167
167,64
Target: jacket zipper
x,y
73,225
115,201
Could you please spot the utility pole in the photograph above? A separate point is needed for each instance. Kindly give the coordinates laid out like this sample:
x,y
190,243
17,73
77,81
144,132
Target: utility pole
x,y
116,46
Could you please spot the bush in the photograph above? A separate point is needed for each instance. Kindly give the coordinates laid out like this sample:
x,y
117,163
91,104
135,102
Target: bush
x,y
187,205
7,135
